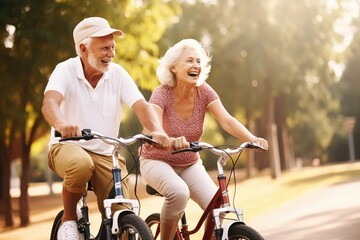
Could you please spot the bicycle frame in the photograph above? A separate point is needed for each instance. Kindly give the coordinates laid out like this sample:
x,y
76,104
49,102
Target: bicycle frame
x,y
110,224
220,204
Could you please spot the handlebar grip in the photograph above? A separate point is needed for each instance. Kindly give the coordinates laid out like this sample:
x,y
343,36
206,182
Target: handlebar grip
x,y
254,146
85,135
148,139
194,147
57,133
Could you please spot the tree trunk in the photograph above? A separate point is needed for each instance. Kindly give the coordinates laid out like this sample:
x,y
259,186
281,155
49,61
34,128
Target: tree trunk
x,y
274,151
26,144
5,163
24,183
24,196
279,111
272,131
285,149
288,149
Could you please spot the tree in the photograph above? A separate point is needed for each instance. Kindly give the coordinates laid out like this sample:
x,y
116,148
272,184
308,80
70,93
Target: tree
x,y
270,65
37,35
348,91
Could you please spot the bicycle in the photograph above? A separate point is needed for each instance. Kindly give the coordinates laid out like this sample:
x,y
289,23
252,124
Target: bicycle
x,y
218,208
122,224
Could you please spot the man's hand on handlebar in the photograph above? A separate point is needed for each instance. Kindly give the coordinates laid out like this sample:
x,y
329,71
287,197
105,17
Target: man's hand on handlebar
x,y
161,138
67,130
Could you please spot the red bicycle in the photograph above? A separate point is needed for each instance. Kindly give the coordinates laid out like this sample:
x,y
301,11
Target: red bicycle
x,y
223,220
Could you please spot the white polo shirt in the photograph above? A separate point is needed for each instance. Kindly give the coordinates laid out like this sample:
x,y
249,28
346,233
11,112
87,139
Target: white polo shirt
x,y
95,108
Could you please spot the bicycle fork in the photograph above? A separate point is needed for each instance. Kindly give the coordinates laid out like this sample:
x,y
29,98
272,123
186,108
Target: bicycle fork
x,y
111,220
225,208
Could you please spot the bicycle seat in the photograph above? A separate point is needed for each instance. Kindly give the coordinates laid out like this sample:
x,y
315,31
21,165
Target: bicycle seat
x,y
151,191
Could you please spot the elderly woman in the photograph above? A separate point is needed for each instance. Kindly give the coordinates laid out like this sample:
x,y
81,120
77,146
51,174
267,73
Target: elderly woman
x,y
181,103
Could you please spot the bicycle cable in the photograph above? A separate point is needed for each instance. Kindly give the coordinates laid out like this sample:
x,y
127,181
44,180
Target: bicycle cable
x,y
136,160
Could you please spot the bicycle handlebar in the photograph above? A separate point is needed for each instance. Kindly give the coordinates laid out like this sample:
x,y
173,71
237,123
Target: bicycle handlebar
x,y
88,134
199,146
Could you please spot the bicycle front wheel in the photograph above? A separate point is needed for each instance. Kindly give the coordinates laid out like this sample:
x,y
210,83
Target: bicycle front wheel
x,y
132,227
56,225
153,222
243,232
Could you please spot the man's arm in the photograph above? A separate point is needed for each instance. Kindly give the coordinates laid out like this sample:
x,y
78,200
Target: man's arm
x,y
52,114
149,120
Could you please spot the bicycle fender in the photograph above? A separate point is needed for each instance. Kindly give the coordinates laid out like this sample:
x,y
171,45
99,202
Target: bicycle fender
x,y
115,224
226,228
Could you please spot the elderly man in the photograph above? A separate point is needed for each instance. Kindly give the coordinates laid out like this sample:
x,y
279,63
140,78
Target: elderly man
x,y
87,92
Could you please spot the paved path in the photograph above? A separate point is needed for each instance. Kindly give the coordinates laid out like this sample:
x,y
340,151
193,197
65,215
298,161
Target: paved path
x,y
332,213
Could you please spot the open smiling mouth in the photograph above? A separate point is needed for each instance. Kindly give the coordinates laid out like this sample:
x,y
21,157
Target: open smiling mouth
x,y
106,61
193,74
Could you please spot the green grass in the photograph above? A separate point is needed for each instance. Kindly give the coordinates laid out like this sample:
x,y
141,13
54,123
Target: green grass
x,y
261,194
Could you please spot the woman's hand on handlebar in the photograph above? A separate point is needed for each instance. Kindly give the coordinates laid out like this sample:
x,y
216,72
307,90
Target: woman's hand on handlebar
x,y
179,143
261,143
166,142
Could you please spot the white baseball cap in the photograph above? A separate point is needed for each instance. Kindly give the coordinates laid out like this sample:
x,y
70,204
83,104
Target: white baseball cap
x,y
93,27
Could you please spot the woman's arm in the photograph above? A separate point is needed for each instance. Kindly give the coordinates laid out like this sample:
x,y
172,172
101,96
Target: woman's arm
x,y
233,126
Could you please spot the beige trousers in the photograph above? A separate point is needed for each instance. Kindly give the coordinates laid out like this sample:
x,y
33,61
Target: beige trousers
x,y
77,166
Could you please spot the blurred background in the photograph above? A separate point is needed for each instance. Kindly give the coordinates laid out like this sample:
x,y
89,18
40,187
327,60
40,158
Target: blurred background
x,y
287,69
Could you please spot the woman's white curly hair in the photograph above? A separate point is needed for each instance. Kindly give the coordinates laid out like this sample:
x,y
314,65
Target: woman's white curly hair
x,y
167,77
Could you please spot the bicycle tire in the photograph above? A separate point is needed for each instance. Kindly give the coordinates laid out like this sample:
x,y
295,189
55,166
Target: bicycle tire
x,y
243,232
132,226
55,226
153,222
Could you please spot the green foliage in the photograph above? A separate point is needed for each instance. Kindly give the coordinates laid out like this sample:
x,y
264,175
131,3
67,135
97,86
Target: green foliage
x,y
348,91
144,25
288,43
36,35
264,49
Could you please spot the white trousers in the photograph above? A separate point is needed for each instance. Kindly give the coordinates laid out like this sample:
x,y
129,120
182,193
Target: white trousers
x,y
177,185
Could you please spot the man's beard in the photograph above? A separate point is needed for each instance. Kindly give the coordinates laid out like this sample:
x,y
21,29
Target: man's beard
x,y
95,64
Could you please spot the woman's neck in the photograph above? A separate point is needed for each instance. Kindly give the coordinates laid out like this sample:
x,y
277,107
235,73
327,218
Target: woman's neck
x,y
184,91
